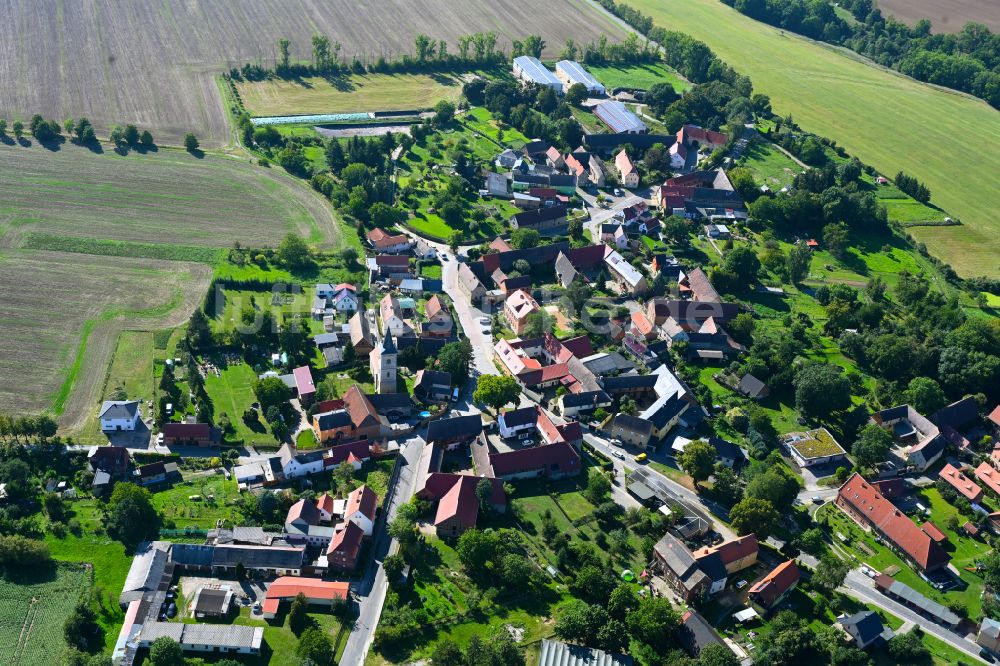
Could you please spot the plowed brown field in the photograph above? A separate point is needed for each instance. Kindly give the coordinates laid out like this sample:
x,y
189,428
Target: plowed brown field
x,y
152,63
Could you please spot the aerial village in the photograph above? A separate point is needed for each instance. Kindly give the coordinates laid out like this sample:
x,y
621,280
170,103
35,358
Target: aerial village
x,y
582,393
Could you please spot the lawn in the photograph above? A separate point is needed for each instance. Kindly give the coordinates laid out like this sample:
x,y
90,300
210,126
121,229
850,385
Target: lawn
x,y
355,93
281,641
232,394
432,271
889,121
132,366
33,607
638,76
218,496
770,165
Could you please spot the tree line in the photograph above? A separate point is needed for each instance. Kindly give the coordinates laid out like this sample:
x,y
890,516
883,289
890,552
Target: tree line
x,y
968,61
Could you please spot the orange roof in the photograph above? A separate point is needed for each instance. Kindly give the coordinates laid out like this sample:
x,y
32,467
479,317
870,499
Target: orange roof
x,y
271,605
989,476
961,482
995,415
460,502
642,323
433,306
731,551
931,530
288,587
781,579
866,501
347,539
624,163
325,503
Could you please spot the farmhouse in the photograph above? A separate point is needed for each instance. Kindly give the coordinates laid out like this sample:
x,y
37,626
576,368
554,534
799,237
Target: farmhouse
x,y
194,434
862,502
432,386
116,415
619,119
990,477
552,461
626,277
317,592
356,419
439,323
572,405
546,219
455,431
517,308
386,243
632,430
735,555
770,590
361,336
692,139
345,546
531,70
919,442
571,72
628,174
305,388
680,569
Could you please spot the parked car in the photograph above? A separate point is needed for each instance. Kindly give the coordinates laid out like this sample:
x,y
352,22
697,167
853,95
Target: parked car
x,y
816,499
641,457
485,320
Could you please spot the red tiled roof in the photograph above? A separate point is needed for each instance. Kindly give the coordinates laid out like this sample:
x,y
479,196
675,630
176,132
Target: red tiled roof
x,y
500,245
624,163
642,323
363,499
359,407
392,260
989,476
460,502
329,406
970,528
781,579
931,530
732,551
866,501
338,454
303,510
579,346
433,306
574,165
288,587
995,415
325,502
961,482
347,540
693,133
543,192
571,431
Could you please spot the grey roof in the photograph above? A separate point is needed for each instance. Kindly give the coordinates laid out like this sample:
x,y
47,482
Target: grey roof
x,y
641,490
534,70
456,427
336,419
626,382
751,386
713,566
556,653
680,561
585,398
519,417
618,118
211,600
389,402
633,423
216,635
258,557
957,414
575,72
192,555
604,363
697,634
923,603
326,338
146,570
119,409
990,627
868,625
387,346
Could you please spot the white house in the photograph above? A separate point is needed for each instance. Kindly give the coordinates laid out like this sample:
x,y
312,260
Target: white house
x,y
295,465
517,421
497,184
119,415
360,509
346,300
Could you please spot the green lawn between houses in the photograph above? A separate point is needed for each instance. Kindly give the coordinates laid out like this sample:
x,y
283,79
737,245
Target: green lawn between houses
x,y
637,76
232,394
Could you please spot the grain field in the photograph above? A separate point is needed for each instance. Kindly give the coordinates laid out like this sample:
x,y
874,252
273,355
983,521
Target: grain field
x,y
945,15
153,63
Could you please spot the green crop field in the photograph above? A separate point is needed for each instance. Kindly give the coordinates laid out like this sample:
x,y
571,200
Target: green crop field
x,y
352,94
33,609
62,314
166,198
637,76
948,140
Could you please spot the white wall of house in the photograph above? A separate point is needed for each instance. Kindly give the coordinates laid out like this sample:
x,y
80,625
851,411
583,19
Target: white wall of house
x,y
362,521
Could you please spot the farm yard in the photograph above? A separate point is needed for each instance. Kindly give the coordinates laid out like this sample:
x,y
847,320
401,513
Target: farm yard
x,y
63,312
350,94
165,80
51,198
33,608
945,15
887,120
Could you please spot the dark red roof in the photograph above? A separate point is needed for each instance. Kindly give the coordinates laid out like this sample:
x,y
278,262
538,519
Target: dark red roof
x,y
560,453
347,540
185,430
931,530
338,454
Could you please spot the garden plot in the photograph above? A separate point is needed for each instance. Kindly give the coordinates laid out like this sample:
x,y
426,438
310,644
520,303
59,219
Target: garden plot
x,y
32,612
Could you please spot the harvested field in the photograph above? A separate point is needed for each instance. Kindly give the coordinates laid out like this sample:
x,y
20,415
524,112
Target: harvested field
x,y
888,120
945,15
353,94
62,315
167,197
153,64
33,608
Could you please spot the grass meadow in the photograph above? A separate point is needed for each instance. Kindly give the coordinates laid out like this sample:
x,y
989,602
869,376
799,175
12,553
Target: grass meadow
x,y
948,140
69,197
351,94
638,76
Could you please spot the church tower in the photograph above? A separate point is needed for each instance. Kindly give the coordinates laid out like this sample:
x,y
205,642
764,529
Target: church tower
x,y
383,366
